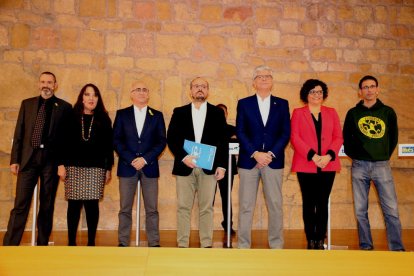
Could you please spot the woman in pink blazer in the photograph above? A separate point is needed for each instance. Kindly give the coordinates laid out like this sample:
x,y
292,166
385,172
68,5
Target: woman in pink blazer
x,y
316,138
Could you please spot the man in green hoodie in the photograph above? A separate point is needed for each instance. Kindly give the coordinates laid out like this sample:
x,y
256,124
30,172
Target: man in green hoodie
x,y
370,136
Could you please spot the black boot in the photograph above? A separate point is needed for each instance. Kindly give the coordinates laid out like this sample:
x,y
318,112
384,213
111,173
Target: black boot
x,y
311,244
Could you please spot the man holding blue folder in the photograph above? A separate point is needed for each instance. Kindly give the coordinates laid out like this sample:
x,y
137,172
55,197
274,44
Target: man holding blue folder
x,y
204,123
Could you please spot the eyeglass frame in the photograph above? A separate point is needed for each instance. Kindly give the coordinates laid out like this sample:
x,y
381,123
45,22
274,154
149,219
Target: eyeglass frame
x,y
140,90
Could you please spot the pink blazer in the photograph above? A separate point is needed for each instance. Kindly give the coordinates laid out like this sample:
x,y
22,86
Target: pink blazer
x,y
303,138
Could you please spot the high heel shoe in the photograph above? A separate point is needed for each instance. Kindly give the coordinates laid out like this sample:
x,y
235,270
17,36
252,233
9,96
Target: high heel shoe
x,y
320,245
311,244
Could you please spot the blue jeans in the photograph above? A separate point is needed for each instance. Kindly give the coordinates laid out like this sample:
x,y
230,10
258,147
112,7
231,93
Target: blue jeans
x,y
380,174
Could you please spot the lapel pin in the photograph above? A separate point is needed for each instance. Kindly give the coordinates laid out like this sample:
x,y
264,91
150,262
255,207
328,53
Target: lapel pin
x,y
150,112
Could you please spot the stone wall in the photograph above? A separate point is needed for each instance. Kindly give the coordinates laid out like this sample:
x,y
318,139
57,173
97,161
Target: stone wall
x,y
167,43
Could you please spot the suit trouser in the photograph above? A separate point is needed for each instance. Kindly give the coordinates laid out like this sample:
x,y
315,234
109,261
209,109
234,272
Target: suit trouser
x,y
127,190
272,189
205,186
38,166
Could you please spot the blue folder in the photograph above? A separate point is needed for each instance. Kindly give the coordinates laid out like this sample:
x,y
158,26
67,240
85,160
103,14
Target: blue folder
x,y
205,153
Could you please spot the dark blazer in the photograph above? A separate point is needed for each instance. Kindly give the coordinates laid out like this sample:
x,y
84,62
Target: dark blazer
x,y
254,136
214,133
128,145
22,148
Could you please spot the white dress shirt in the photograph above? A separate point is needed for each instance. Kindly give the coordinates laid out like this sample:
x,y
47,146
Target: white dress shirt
x,y
140,115
199,118
264,107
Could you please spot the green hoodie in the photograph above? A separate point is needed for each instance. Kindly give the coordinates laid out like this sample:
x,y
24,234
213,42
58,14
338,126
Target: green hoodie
x,y
370,134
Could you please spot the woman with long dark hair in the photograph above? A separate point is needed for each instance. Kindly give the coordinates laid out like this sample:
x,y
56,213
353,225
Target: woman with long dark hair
x,y
89,160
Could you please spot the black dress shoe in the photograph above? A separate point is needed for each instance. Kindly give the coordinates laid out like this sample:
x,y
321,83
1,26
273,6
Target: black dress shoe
x,y
311,244
155,245
121,245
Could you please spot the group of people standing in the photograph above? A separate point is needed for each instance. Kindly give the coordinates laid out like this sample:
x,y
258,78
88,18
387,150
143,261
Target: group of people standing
x,y
53,140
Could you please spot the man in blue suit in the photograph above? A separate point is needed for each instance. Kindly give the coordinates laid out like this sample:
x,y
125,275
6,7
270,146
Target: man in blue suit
x,y
263,129
139,139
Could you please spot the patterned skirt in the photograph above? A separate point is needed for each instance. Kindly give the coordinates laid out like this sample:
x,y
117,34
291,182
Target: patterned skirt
x,y
84,183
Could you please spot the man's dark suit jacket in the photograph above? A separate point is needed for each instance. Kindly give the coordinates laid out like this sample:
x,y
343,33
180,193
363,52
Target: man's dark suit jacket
x,y
22,148
149,145
254,136
214,134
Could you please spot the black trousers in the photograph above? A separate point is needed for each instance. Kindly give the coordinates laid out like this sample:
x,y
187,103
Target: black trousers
x,y
223,187
92,218
316,188
39,166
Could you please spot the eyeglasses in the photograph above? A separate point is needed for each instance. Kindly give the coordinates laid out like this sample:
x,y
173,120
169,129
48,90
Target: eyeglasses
x,y
198,86
316,92
264,77
366,88
140,90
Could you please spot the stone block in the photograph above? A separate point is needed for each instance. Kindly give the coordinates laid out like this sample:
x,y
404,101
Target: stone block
x,y
153,26
6,186
68,38
78,59
163,9
155,64
352,55
400,56
288,26
296,41
64,6
240,13
399,30
213,45
294,11
376,29
185,12
365,43
189,68
269,16
363,13
240,46
105,25
71,21
406,15
267,38
144,11
40,5
211,13
173,27
12,56
111,8
120,62
45,37
15,4
169,44
92,8
141,44
354,29
56,58
92,40
4,36
381,14
323,54
20,35
407,69
342,67
319,66
115,43
12,95
309,28
298,66
125,9
345,13
227,70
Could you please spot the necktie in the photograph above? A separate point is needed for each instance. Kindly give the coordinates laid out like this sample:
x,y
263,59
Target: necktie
x,y
38,127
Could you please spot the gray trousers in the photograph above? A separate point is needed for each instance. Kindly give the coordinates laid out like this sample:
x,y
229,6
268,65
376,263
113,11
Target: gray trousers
x,y
127,189
272,189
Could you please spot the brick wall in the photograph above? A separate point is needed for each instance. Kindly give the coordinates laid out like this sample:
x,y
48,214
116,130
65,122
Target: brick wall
x,y
167,43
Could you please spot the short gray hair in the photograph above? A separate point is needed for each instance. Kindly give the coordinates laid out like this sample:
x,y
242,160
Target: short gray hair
x,y
262,68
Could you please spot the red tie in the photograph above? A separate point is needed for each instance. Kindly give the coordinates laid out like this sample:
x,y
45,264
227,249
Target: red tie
x,y
38,127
